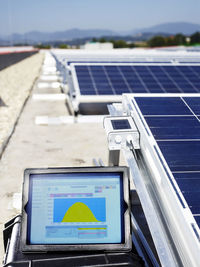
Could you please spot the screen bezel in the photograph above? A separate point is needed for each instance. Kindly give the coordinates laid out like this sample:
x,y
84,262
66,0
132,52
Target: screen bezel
x,y
125,245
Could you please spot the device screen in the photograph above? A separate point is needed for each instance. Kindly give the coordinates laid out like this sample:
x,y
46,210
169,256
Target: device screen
x,y
75,208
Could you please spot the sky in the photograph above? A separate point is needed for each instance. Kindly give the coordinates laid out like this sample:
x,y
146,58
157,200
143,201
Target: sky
x,y
20,16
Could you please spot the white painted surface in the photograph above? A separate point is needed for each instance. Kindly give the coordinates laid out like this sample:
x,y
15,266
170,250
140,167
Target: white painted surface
x,y
48,85
49,78
49,97
46,120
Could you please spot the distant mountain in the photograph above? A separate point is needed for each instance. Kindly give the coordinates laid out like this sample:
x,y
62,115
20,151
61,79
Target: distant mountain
x,y
36,36
171,28
3,42
164,29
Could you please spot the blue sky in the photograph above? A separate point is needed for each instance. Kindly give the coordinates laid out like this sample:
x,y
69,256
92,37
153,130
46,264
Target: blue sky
x,y
120,15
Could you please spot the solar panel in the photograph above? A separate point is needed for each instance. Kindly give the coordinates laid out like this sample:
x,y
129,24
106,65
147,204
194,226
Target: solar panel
x,y
120,124
175,125
180,127
107,79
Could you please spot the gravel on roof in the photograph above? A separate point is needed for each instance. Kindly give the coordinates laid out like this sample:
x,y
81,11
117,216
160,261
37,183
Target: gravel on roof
x,y
16,83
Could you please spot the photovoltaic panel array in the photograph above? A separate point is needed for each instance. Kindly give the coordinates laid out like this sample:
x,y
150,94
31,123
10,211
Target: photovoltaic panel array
x,y
118,79
175,125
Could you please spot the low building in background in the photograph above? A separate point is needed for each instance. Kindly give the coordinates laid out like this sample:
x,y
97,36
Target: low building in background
x,y
97,46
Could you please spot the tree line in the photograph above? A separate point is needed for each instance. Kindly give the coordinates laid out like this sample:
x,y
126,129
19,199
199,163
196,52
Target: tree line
x,y
178,39
156,41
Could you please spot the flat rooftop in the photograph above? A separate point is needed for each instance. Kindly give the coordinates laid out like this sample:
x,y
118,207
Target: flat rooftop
x,y
40,138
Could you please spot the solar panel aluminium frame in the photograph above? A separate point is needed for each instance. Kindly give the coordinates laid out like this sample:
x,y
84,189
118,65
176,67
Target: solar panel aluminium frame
x,y
180,222
134,60
126,245
130,54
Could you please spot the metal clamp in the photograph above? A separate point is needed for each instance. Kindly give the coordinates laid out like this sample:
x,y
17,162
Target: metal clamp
x,y
122,133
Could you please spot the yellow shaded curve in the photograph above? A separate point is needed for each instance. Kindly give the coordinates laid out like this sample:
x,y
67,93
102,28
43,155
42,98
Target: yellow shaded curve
x,y
79,212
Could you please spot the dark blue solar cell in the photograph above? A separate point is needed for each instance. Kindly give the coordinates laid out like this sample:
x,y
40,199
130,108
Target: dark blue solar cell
x,y
174,127
81,68
184,68
195,69
181,155
100,80
120,91
169,68
115,78
188,89
192,198
120,124
104,92
162,106
172,89
95,68
168,84
186,175
140,68
175,73
197,88
188,180
156,68
154,89
87,92
84,88
82,73
84,78
138,90
197,218
111,73
163,79
121,88
194,104
104,87
85,83
194,79
126,68
116,83
148,80
195,209
183,85
189,184
152,85
89,89
98,74
135,84
129,74
111,68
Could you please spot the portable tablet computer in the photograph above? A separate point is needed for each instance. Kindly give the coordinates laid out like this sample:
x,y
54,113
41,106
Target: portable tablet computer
x,y
70,209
